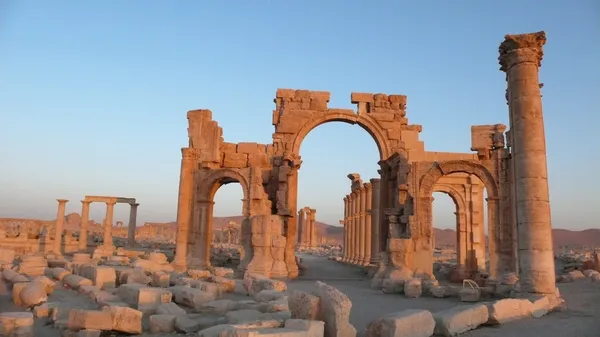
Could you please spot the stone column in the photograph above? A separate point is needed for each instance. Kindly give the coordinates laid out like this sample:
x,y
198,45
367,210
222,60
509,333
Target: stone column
x,y
60,220
368,237
132,225
313,228
352,257
375,225
345,223
462,249
478,230
108,222
184,206
357,227
520,57
85,218
361,222
300,231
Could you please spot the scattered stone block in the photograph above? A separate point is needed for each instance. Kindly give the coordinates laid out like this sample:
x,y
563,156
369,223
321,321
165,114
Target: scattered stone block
x,y
75,281
459,319
169,308
101,276
17,324
145,299
192,297
33,294
303,305
223,272
89,319
409,323
576,275
243,316
59,273
311,328
198,274
413,288
510,309
160,279
335,311
220,307
162,323
125,319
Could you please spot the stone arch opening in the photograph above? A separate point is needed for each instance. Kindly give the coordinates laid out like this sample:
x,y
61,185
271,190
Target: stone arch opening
x,y
365,122
201,236
475,255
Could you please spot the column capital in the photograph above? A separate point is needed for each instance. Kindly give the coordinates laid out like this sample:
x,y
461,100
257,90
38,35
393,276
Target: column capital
x,y
375,181
110,202
134,205
86,202
367,186
521,48
62,201
190,154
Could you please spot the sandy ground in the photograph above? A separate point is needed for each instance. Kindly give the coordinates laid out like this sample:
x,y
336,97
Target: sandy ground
x,y
580,319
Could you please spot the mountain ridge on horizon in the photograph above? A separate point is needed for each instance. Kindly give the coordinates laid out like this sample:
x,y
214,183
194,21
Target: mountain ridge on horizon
x,y
443,236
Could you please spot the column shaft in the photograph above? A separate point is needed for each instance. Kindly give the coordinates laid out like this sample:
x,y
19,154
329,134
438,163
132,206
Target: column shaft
x,y
60,219
352,246
85,218
356,227
184,206
108,223
375,225
520,57
313,228
361,221
132,225
345,250
368,227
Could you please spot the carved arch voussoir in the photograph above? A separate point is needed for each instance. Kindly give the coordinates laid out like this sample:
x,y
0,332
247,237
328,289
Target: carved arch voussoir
x,y
444,168
215,176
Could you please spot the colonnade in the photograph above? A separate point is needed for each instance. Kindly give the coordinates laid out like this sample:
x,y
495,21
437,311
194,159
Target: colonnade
x,y
85,215
361,223
307,230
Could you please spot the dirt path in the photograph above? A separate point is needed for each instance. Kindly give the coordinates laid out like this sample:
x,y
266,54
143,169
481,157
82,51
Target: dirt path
x,y
581,319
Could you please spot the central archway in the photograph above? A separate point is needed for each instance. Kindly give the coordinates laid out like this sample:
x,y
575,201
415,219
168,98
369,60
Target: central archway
x,y
365,122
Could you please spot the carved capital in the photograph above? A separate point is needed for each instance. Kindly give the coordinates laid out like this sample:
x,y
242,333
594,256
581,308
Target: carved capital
x,y
62,201
368,186
521,48
86,202
134,205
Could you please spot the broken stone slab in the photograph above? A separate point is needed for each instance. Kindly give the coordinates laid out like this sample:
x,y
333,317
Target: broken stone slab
x,y
255,283
101,276
32,294
198,274
459,319
223,272
303,305
276,306
243,316
268,295
334,310
145,299
160,279
507,310
191,297
226,285
439,292
410,323
220,307
44,309
16,292
75,281
89,319
17,324
125,319
59,273
413,288
169,308
195,322
162,323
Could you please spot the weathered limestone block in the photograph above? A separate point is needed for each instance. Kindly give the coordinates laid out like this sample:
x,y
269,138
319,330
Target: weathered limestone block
x,y
75,281
32,265
48,283
576,275
194,322
335,311
303,305
409,323
589,272
413,288
169,308
89,319
440,292
220,307
469,295
269,295
276,306
255,283
507,310
162,323
310,328
125,319
198,274
16,292
59,273
459,319
224,272
101,276
33,294
160,279
45,309
18,324
86,333
243,316
7,256
191,297
595,277
145,299
227,285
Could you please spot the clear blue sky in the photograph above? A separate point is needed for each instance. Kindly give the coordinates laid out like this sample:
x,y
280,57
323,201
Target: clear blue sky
x,y
94,94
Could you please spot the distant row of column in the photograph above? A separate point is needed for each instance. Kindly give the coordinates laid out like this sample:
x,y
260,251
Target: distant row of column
x,y
85,214
361,224
307,230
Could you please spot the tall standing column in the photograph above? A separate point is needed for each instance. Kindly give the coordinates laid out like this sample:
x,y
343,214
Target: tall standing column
x,y
375,247
60,220
352,229
108,223
368,229
306,227
132,225
300,231
184,206
520,57
345,257
362,195
85,218
356,227
313,228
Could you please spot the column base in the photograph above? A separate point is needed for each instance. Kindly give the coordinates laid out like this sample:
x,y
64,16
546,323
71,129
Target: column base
x,y
179,266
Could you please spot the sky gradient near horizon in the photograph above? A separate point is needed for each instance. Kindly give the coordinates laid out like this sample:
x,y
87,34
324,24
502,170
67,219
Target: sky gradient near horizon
x,y
94,94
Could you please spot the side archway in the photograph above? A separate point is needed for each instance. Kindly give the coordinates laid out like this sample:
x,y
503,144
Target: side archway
x,y
200,240
365,122
440,169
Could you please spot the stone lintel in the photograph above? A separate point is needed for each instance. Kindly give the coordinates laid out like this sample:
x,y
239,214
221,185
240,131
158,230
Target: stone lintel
x,y
107,199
